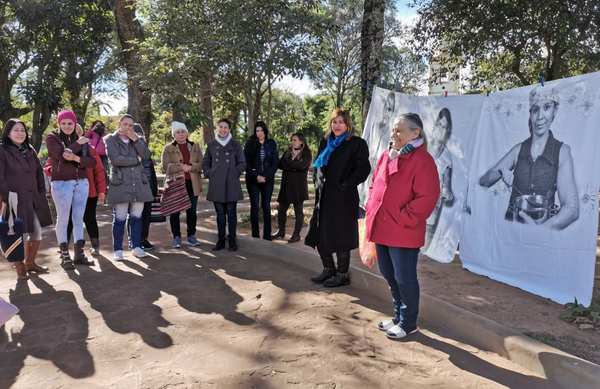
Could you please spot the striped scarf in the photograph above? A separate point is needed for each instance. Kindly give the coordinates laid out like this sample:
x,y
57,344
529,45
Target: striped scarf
x,y
410,146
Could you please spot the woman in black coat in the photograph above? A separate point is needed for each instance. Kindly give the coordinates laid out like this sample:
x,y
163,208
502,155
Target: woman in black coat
x,y
294,187
262,161
342,164
22,173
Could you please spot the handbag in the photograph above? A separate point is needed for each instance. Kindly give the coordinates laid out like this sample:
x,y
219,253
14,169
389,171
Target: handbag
x,y
175,197
7,311
155,215
11,231
368,255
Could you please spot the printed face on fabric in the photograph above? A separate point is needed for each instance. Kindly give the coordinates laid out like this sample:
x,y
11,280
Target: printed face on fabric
x,y
401,134
223,129
440,129
338,126
67,126
541,116
181,135
18,134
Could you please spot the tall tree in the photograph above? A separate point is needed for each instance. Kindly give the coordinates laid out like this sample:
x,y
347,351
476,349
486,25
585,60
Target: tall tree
x,y
402,70
528,39
371,51
131,35
15,58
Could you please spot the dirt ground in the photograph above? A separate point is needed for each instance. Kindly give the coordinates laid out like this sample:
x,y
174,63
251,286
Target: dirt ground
x,y
192,318
534,316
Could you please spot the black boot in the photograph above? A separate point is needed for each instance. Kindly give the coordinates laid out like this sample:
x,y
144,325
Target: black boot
x,y
232,245
79,257
65,259
297,228
280,233
95,249
325,275
220,244
340,279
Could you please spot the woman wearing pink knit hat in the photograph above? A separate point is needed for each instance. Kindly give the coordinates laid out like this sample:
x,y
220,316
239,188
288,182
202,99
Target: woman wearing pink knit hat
x,y
70,186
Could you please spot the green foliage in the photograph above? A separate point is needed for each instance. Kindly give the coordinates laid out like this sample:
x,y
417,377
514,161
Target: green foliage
x,y
574,310
401,66
527,39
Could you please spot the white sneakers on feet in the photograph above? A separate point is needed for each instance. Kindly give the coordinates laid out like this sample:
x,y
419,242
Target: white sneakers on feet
x,y
138,252
118,255
396,332
386,325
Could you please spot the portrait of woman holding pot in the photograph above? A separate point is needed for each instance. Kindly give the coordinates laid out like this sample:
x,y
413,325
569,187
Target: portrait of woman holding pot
x,y
537,169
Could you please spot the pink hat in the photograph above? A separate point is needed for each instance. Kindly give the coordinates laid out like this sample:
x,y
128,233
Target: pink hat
x,y
66,114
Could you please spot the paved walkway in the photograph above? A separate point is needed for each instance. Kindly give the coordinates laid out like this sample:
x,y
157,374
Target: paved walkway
x,y
192,318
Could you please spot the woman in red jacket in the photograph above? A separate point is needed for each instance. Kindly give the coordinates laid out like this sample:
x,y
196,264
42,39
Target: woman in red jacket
x,y
403,194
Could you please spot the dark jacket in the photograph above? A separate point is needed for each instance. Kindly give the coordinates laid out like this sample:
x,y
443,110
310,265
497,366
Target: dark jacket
x,y
294,187
254,167
26,178
128,181
334,223
223,166
63,170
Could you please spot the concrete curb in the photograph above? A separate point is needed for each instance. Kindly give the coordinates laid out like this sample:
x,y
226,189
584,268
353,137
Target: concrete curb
x,y
557,366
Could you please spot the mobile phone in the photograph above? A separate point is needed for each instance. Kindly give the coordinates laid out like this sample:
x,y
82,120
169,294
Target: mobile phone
x,y
68,150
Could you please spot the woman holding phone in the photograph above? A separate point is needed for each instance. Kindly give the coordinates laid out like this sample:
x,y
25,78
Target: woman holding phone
x,y
70,186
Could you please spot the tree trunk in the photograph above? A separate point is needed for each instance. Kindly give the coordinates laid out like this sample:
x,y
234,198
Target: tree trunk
x,y
371,51
208,130
178,116
131,34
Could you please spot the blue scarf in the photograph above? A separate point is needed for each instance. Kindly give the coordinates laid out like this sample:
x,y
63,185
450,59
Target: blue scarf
x,y
332,144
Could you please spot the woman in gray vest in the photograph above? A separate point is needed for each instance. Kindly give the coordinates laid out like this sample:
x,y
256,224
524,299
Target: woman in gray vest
x,y
538,168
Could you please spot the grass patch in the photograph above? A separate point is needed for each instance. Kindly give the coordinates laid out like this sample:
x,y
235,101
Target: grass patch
x,y
588,350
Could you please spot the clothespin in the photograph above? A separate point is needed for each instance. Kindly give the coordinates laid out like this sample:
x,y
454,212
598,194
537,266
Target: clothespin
x,y
542,79
446,94
488,94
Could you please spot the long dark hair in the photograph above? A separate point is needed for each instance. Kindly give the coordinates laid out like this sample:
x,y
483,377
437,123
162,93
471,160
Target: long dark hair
x,y
288,153
254,138
10,123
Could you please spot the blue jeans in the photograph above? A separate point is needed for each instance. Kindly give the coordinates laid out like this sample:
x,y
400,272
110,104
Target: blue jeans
x,y
67,194
265,191
398,266
120,212
190,214
226,210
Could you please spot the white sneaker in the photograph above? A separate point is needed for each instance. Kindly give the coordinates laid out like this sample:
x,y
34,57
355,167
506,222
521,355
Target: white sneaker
x,y
386,325
118,255
396,332
138,252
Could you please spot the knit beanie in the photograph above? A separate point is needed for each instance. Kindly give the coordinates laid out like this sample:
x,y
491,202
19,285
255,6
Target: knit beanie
x,y
66,114
178,126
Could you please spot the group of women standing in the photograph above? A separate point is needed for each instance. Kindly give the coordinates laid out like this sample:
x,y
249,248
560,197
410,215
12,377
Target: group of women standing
x,y
403,193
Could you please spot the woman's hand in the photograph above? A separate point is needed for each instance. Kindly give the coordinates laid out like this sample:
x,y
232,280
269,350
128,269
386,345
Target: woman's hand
x,y
187,168
448,196
83,140
101,198
261,180
528,220
70,157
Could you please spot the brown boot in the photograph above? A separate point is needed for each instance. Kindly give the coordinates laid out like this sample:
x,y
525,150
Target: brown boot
x,y
21,272
31,250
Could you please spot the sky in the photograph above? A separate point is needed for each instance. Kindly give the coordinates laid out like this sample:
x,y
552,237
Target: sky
x,y
289,84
